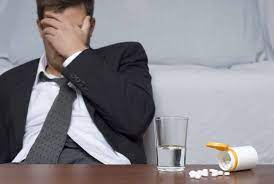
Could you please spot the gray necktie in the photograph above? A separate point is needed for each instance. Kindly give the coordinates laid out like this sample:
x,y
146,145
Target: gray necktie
x,y
51,140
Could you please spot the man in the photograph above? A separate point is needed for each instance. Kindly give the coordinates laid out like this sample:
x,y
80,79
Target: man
x,y
75,105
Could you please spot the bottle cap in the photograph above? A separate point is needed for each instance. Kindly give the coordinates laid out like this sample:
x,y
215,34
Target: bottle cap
x,y
218,146
225,148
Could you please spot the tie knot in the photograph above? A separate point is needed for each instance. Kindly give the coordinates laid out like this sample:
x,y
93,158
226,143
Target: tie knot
x,y
60,81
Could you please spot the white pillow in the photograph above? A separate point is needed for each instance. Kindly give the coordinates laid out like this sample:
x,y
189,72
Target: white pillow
x,y
25,42
5,65
267,19
4,30
216,33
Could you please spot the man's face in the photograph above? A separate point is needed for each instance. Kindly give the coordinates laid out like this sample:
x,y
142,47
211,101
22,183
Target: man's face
x,y
75,15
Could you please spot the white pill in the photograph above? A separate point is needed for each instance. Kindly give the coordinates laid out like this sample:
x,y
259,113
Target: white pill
x,y
227,173
214,174
192,174
212,170
198,176
204,174
200,172
205,170
220,173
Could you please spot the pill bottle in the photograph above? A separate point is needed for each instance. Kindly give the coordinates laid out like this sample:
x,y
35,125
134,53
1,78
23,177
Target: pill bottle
x,y
235,158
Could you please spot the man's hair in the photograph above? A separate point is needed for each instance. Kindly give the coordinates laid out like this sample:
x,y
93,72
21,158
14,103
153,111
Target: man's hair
x,y
60,5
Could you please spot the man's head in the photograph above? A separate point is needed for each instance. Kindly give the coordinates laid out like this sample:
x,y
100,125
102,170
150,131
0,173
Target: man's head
x,y
61,5
74,11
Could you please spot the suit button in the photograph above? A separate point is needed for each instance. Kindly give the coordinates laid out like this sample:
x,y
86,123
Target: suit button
x,y
81,85
73,76
85,88
77,80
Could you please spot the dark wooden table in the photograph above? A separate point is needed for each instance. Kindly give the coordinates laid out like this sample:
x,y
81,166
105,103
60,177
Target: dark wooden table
x,y
140,174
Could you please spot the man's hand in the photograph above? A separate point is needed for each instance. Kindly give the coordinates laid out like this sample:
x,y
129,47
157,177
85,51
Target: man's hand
x,y
65,38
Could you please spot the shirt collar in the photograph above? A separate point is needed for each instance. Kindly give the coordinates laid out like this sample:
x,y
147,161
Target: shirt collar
x,y
43,63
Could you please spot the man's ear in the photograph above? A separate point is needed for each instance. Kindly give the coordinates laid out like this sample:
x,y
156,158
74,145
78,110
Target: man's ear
x,y
92,25
39,26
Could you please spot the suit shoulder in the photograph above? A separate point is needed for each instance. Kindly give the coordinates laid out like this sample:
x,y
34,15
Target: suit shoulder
x,y
122,47
18,71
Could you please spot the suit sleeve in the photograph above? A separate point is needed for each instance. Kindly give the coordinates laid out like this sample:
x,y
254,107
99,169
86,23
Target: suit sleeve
x,y
4,140
122,96
4,153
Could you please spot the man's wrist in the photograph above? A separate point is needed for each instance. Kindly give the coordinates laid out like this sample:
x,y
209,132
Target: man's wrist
x,y
71,58
80,49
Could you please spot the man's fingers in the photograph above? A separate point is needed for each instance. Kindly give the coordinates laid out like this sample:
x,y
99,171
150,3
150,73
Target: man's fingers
x,y
55,16
49,31
49,38
50,22
86,25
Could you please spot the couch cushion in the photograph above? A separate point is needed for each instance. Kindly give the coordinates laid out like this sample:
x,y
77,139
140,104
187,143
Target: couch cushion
x,y
216,33
232,106
25,42
267,19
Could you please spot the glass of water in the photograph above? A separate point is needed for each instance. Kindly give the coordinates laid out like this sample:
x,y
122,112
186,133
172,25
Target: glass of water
x,y
171,138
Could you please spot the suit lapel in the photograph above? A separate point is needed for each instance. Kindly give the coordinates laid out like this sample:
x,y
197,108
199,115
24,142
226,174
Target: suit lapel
x,y
90,108
20,101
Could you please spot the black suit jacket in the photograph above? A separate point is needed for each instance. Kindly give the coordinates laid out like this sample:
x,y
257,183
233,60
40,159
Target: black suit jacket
x,y
116,87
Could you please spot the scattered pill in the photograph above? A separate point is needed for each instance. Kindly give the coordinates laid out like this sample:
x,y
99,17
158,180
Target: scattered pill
x,y
192,174
212,170
220,173
198,176
200,172
204,172
214,174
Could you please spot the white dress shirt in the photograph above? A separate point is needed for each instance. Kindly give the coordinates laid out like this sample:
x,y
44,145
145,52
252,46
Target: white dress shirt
x,y
82,128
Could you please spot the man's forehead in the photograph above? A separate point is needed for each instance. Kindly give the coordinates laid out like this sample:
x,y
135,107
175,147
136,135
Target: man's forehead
x,y
75,14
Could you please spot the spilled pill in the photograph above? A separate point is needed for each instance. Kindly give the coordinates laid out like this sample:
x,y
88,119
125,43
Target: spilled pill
x,y
198,176
205,173
220,173
214,174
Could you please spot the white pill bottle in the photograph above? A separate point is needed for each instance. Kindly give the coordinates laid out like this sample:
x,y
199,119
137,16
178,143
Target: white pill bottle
x,y
235,158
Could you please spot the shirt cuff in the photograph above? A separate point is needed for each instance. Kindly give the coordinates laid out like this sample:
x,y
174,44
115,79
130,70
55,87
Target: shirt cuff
x,y
71,58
